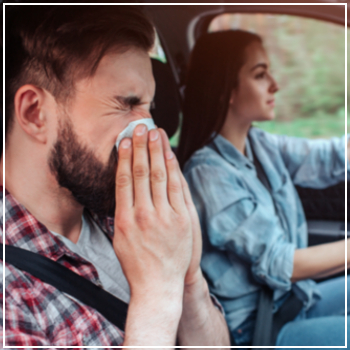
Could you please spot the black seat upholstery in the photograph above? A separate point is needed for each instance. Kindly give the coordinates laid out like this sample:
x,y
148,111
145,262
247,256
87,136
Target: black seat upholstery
x,y
167,101
325,204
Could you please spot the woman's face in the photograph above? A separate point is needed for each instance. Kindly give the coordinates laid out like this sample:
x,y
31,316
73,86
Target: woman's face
x,y
254,100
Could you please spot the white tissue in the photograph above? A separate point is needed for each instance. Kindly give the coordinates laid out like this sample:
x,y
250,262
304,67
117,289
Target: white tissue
x,y
128,131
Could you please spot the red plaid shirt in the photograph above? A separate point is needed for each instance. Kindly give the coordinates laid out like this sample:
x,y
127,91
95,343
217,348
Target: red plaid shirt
x,y
37,314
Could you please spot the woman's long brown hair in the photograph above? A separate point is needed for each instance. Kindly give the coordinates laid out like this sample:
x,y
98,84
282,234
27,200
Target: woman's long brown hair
x,y
212,75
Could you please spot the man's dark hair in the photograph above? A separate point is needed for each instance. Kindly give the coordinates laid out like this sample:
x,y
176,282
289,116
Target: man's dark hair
x,y
212,75
54,46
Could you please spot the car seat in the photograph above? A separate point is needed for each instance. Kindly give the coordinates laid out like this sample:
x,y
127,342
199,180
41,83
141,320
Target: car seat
x,y
166,112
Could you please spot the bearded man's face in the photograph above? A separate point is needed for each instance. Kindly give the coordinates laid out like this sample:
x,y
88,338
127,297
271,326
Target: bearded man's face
x,y
83,156
77,169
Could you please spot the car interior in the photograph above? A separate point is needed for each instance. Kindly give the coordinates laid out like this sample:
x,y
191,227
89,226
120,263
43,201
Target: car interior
x,y
178,27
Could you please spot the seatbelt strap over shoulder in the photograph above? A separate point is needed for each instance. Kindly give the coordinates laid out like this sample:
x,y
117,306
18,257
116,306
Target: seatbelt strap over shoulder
x,y
267,325
264,318
67,281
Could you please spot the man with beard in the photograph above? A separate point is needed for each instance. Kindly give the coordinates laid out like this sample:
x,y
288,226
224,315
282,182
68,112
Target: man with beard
x,y
76,76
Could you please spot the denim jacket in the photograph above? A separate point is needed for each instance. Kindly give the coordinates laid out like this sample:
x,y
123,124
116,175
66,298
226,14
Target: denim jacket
x,y
247,240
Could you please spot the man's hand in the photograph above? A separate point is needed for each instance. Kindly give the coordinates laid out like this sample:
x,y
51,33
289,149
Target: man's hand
x,y
153,237
194,273
201,322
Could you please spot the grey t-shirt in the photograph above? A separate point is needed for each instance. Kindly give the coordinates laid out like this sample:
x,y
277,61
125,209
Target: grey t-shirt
x,y
95,247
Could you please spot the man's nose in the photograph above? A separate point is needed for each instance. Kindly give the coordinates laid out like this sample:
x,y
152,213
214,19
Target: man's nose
x,y
145,115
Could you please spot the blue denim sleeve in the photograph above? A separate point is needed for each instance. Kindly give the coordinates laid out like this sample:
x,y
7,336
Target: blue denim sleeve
x,y
235,222
312,163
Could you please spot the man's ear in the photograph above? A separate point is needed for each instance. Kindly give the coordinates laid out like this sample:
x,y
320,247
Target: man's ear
x,y
29,113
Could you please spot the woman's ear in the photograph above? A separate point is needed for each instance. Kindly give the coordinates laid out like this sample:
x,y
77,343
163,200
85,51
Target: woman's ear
x,y
28,103
233,97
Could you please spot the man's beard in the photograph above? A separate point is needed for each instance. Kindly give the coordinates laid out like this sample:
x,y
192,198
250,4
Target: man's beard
x,y
76,168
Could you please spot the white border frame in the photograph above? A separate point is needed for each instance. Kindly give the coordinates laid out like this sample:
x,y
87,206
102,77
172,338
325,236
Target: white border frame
x,y
173,347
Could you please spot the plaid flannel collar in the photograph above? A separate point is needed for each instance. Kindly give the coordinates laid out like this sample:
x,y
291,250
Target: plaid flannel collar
x,y
23,230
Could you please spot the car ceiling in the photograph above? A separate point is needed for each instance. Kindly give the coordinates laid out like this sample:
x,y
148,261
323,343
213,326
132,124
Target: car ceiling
x,y
180,25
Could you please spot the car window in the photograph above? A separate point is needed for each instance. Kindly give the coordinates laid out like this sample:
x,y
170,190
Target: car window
x,y
308,61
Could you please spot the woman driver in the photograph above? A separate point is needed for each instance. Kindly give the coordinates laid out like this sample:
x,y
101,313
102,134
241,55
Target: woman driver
x,y
256,234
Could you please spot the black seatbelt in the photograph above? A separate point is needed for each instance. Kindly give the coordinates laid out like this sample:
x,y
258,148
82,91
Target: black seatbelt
x,y
67,281
286,313
267,325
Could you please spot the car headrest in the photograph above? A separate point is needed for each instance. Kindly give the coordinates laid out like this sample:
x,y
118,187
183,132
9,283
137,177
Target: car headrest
x,y
167,108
